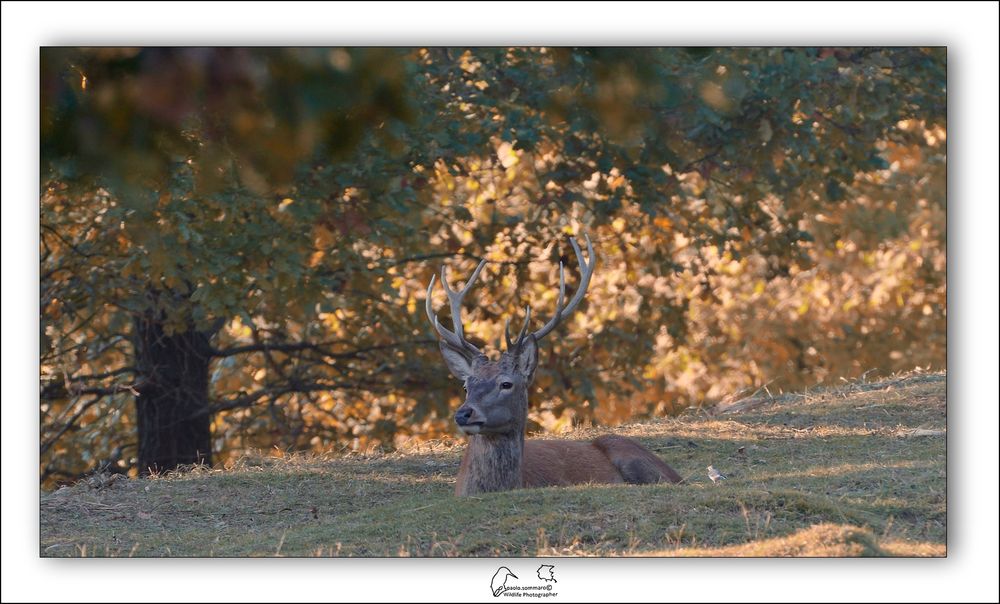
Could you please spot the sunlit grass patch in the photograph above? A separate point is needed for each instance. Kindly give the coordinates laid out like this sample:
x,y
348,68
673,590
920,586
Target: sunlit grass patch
x,y
821,540
839,473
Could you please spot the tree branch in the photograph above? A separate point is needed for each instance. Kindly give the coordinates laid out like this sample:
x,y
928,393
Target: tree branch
x,y
101,376
62,390
268,347
248,400
691,165
851,130
300,346
68,243
69,424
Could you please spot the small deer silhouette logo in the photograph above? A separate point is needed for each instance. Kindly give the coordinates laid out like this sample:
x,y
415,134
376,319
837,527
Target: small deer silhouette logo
x,y
499,582
545,573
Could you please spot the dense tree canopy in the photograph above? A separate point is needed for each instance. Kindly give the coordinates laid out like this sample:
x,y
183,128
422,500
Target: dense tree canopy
x,y
236,243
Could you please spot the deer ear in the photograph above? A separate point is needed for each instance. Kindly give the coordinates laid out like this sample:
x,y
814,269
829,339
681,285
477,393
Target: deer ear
x,y
458,363
526,357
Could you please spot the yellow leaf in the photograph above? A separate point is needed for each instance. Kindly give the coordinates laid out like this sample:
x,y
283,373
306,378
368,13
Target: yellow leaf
x,y
323,237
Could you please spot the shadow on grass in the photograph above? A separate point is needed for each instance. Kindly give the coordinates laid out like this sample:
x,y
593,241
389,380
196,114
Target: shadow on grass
x,y
842,463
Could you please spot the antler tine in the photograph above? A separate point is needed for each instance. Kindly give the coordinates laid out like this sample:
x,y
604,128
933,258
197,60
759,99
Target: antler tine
x,y
446,335
457,337
524,329
557,317
586,272
455,298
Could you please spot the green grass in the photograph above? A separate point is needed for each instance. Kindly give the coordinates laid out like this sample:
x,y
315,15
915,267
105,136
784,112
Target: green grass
x,y
858,470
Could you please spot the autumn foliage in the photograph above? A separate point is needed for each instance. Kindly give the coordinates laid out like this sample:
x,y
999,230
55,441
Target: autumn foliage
x,y
762,217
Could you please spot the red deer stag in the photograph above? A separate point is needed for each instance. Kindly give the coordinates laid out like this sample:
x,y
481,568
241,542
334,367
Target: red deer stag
x,y
495,411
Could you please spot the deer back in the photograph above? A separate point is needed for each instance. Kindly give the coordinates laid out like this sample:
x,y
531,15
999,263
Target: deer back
x,y
563,462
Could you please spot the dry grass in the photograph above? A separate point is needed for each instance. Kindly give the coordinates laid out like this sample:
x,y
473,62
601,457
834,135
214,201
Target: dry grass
x,y
821,540
853,471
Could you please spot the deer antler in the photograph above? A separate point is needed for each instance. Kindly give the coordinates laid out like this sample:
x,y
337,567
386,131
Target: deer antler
x,y
586,272
455,338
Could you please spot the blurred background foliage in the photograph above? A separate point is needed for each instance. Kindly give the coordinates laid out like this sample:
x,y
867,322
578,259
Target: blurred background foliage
x,y
236,243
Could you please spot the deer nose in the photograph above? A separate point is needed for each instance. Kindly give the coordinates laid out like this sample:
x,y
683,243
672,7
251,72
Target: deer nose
x,y
462,415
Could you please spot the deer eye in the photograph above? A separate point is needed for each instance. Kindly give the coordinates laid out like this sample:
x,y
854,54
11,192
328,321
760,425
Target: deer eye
x,y
506,386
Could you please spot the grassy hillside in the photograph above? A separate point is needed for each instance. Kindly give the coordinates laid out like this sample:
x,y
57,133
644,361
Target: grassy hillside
x,y
858,470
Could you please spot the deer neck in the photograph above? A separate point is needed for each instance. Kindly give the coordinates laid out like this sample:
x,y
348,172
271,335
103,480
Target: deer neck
x,y
494,462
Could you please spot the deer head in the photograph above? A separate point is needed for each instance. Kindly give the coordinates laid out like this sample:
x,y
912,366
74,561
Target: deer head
x,y
496,401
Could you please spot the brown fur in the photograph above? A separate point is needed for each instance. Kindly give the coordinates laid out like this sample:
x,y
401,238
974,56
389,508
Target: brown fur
x,y
561,463
606,460
637,464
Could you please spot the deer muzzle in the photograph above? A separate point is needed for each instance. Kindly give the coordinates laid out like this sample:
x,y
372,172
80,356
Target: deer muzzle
x,y
468,420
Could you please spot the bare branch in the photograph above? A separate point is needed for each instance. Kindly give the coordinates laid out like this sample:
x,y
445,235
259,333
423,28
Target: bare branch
x,y
269,347
317,347
62,390
248,400
69,424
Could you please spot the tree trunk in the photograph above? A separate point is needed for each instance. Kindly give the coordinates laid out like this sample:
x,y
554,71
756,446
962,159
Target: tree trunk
x,y
174,423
